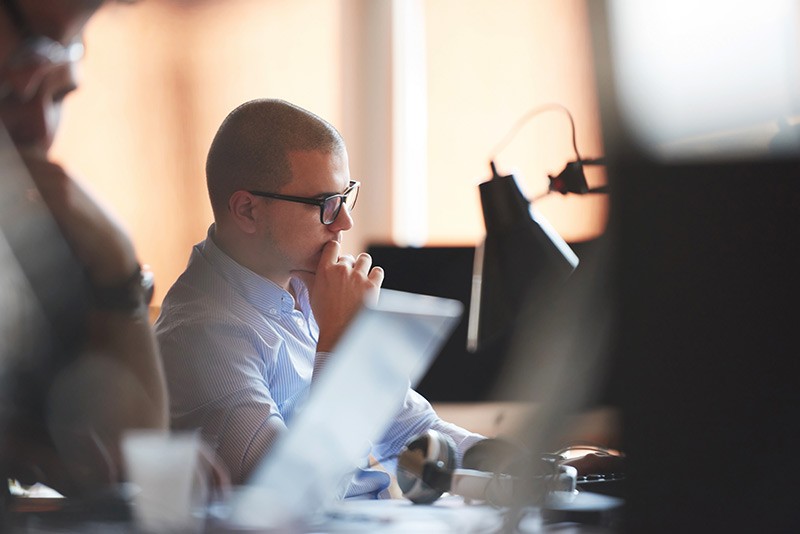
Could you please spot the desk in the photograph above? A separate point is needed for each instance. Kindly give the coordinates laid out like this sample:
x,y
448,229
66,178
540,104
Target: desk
x,y
448,515
491,419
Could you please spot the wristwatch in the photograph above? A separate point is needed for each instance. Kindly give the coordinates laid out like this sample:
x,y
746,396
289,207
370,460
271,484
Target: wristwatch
x,y
131,296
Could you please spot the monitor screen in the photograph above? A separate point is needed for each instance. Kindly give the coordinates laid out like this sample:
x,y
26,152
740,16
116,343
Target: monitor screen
x,y
459,373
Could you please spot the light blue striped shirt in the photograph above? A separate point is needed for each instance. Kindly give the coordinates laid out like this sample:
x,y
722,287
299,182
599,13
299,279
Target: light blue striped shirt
x,y
239,359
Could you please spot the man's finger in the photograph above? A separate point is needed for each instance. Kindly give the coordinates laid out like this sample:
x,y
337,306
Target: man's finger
x,y
348,259
376,276
330,253
363,262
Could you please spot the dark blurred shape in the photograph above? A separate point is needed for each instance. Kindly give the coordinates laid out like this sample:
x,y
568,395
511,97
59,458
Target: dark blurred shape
x,y
457,374
41,253
109,510
706,374
705,268
573,180
44,308
520,251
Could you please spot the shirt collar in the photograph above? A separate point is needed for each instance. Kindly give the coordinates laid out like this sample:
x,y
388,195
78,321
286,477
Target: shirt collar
x,y
303,297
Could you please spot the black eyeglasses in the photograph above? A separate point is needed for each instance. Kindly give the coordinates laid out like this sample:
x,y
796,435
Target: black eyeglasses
x,y
329,207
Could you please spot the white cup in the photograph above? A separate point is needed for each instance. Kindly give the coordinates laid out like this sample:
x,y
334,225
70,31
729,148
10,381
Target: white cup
x,y
170,483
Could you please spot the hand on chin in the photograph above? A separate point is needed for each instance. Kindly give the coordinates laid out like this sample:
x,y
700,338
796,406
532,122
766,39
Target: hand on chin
x,y
308,272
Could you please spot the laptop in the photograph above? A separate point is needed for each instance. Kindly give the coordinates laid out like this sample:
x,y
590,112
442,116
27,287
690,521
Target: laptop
x,y
387,349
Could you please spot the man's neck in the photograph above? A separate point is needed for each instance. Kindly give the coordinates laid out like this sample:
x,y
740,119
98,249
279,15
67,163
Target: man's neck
x,y
241,254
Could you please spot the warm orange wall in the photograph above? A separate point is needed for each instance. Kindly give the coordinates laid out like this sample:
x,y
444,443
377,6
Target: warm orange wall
x,y
489,63
160,76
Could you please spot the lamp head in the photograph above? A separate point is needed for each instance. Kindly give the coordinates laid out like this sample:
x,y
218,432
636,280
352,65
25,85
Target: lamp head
x,y
521,250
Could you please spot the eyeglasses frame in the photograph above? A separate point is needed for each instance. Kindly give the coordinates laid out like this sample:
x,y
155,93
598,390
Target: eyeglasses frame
x,y
354,184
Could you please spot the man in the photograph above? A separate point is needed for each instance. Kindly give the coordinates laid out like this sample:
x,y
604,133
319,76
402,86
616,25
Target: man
x,y
248,327
89,367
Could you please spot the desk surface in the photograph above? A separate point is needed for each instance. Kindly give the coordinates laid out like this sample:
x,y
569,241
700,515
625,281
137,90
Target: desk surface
x,y
600,425
448,515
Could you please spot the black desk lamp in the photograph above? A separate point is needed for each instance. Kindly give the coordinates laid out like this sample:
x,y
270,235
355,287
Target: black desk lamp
x,y
520,251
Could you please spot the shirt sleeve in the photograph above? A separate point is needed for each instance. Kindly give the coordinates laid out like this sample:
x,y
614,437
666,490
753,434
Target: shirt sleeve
x,y
216,373
415,417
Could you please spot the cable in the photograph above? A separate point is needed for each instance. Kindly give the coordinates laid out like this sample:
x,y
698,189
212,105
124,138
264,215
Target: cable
x,y
552,106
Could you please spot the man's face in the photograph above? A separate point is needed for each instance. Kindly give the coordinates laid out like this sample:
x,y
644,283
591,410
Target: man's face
x,y
293,230
37,66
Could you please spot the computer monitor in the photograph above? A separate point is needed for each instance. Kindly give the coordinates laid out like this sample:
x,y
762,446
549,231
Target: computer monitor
x,y
459,373
456,374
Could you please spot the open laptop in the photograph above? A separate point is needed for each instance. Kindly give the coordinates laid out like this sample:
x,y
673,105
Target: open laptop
x,y
388,348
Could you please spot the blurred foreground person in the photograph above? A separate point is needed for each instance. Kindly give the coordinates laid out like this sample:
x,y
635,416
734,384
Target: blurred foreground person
x,y
78,360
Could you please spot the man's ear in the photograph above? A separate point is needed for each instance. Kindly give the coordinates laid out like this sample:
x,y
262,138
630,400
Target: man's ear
x,y
243,210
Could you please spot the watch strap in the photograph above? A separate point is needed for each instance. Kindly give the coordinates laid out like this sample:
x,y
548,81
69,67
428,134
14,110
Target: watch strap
x,y
132,295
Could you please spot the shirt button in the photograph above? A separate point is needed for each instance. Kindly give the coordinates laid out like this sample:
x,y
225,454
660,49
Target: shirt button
x,y
299,322
273,311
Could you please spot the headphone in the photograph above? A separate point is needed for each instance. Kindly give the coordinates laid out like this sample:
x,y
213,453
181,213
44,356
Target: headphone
x,y
426,469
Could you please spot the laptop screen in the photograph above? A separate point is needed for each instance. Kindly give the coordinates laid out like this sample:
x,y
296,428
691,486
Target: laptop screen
x,y
387,349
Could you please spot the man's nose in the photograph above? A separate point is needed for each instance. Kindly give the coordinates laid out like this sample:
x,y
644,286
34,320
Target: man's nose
x,y
343,221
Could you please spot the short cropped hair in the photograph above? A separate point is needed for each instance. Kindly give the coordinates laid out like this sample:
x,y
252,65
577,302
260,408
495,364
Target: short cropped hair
x,y
250,149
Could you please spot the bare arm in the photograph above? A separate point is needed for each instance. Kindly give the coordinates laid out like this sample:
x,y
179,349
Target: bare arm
x,y
117,382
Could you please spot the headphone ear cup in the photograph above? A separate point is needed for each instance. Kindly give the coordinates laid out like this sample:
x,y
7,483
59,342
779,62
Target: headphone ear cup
x,y
430,449
493,455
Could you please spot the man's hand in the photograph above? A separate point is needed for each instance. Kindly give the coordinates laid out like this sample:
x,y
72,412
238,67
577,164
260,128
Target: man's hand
x,y
97,240
338,290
